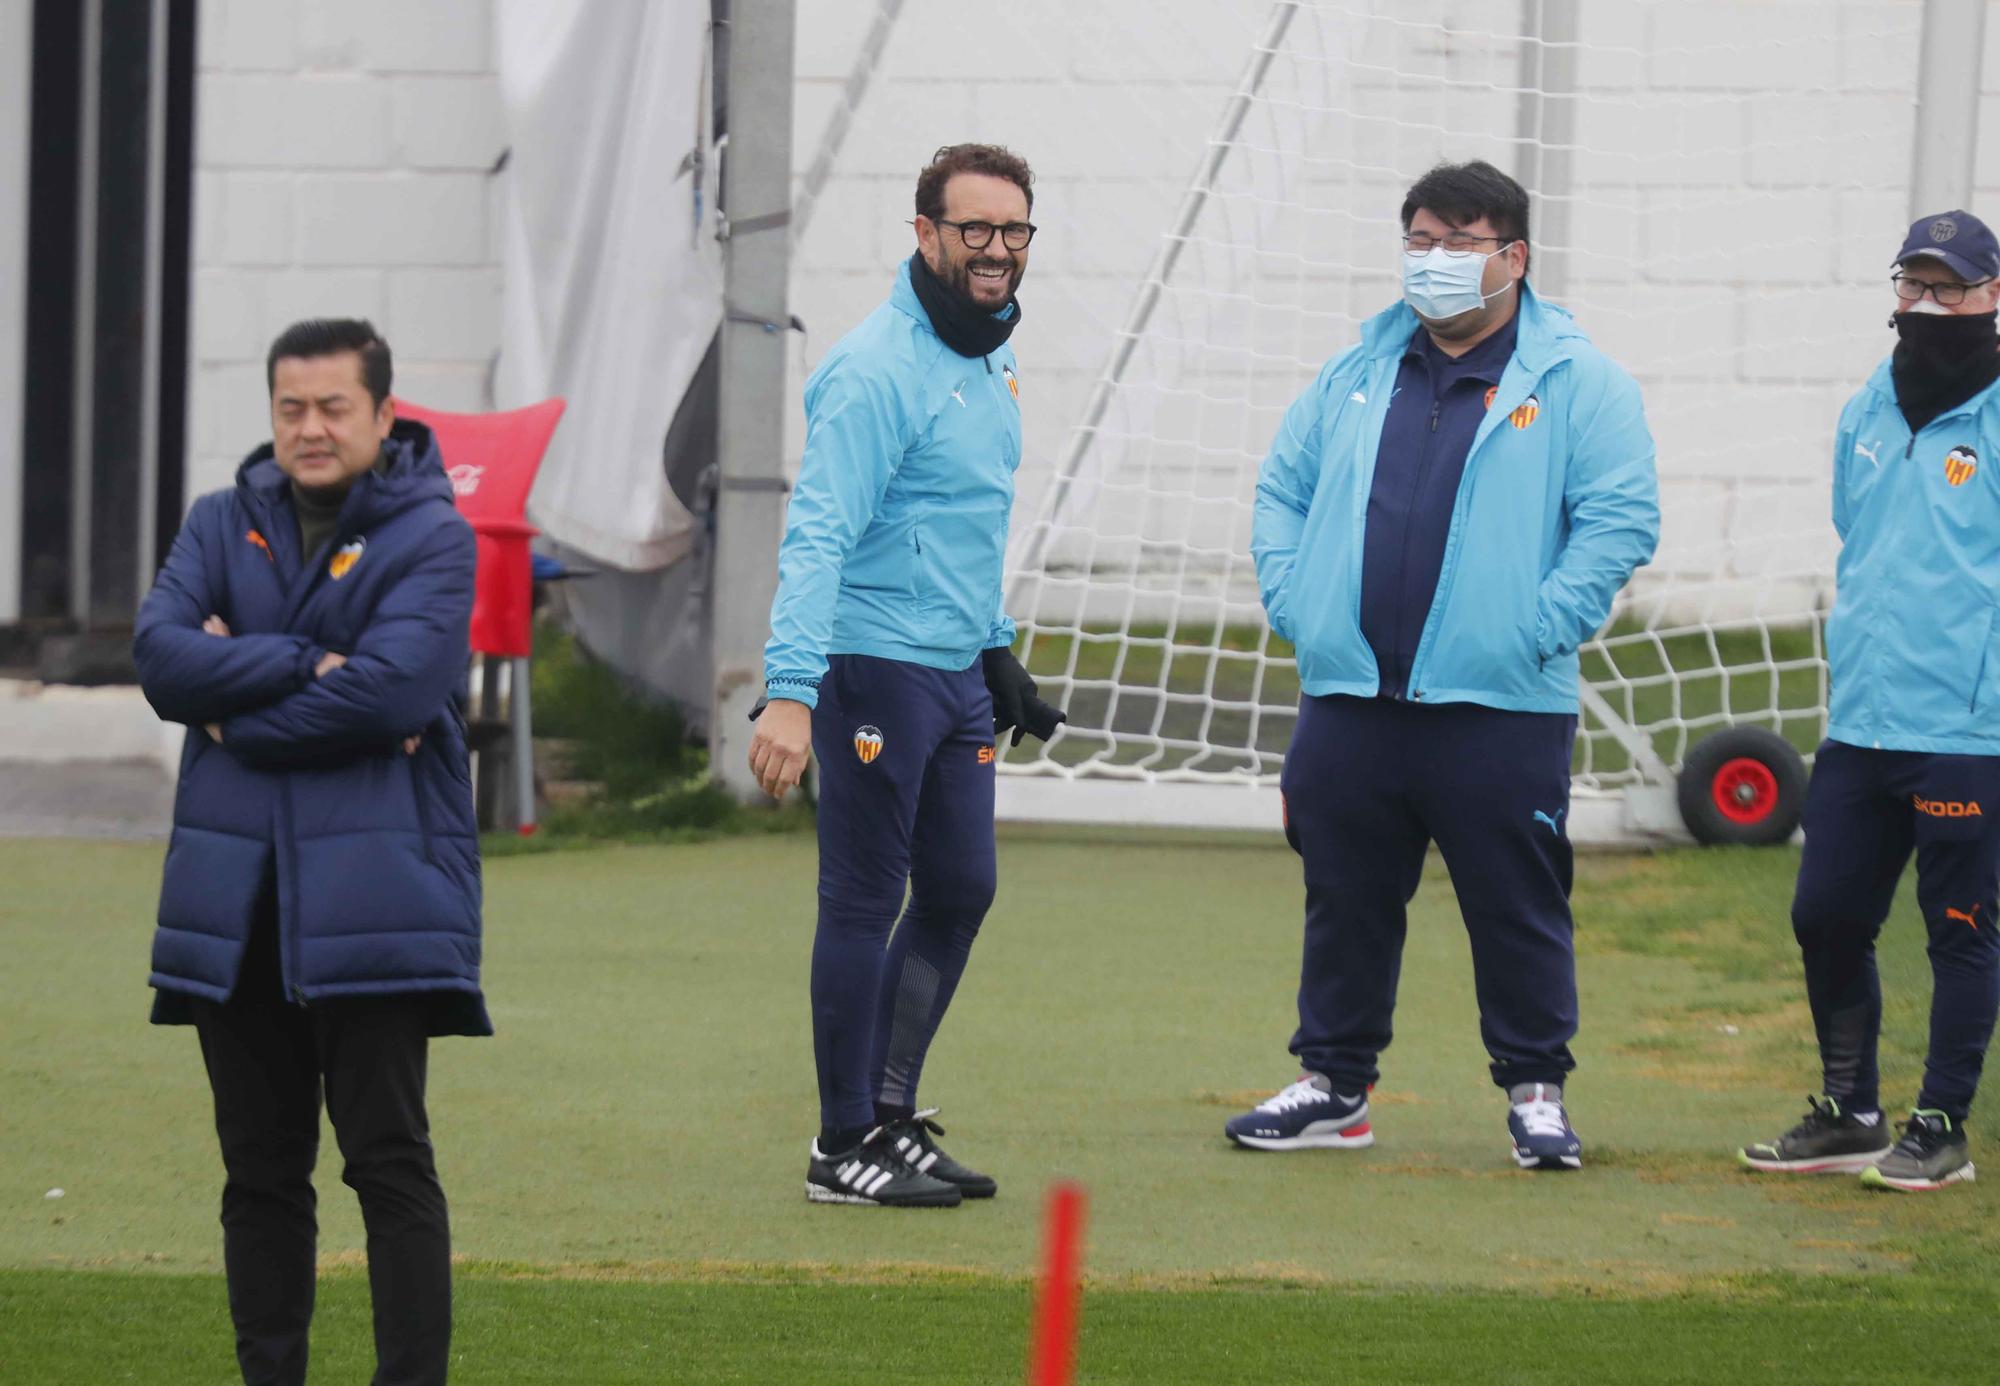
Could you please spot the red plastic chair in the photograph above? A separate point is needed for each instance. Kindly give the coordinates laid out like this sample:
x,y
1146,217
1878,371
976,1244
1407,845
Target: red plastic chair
x,y
492,460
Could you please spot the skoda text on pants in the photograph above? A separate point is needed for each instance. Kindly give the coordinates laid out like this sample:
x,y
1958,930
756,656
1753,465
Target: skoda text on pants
x,y
1912,758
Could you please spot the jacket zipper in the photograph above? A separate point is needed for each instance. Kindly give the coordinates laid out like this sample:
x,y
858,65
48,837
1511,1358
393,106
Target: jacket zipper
x,y
1404,693
1448,572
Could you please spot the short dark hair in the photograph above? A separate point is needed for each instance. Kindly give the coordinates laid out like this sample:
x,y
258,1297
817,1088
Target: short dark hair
x,y
1463,193
330,337
993,159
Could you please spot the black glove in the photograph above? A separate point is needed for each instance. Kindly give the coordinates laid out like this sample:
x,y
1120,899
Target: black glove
x,y
1014,702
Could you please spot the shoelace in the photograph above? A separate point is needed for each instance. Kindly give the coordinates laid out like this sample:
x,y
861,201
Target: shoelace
x,y
1299,1094
1542,1118
1824,1112
921,1129
1924,1132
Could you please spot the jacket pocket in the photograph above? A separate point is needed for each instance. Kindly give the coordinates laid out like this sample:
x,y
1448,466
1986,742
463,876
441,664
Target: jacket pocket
x,y
960,553
424,832
1983,665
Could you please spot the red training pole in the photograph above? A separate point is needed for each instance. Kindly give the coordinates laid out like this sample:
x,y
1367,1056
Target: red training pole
x,y
1052,1349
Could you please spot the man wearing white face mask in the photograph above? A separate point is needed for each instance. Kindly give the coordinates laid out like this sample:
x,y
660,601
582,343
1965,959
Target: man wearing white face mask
x,y
1444,516
1911,763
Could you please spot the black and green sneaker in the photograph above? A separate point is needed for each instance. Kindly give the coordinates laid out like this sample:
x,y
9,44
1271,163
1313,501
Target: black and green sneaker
x,y
915,1139
1931,1154
1828,1141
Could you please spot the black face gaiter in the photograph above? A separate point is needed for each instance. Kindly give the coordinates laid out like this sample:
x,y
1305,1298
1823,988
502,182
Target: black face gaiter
x,y
1941,362
961,324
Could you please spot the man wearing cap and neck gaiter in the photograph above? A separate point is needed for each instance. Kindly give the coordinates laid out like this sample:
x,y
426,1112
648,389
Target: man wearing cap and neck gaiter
x,y
1912,757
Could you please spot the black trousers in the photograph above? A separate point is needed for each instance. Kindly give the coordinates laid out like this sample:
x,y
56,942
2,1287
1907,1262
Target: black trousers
x,y
1866,811
268,1063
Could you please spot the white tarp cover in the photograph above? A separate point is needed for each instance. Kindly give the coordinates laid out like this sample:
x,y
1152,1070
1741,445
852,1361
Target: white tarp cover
x,y
613,271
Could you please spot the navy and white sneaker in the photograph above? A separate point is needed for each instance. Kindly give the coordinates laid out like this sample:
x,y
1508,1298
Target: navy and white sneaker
x,y
1541,1130
1308,1115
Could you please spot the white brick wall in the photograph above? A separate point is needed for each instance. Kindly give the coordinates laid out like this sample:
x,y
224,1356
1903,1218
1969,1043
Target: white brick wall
x,y
342,170
1740,187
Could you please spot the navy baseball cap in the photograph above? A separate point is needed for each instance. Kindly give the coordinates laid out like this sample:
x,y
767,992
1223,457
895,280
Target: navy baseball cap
x,y
1959,239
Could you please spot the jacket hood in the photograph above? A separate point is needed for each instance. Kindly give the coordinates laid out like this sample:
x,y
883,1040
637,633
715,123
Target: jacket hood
x,y
1544,337
414,474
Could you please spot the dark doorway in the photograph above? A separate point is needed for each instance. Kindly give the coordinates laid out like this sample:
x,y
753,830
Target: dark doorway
x,y
109,242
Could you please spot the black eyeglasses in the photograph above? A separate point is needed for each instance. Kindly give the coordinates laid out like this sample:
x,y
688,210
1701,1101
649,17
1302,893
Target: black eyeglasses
x,y
1457,243
977,235
1949,294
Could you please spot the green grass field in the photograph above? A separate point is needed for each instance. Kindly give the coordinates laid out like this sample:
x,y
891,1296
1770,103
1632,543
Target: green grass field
x,y
625,1158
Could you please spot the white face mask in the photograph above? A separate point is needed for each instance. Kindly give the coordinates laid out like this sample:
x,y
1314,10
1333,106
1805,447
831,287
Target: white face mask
x,y
1929,307
1440,285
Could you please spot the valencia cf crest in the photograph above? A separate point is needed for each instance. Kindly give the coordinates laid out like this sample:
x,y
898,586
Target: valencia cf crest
x,y
345,557
1959,465
867,743
1526,412
1013,382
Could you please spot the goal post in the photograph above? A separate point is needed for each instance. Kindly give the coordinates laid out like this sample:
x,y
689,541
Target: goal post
x,y
1717,188
1679,172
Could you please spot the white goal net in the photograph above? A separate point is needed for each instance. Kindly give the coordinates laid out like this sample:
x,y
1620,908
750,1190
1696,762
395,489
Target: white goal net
x,y
1717,191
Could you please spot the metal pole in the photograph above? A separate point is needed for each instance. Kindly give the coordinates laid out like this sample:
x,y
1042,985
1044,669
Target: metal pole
x,y
750,501
1546,130
1954,44
145,541
842,120
17,44
83,384
1152,288
518,717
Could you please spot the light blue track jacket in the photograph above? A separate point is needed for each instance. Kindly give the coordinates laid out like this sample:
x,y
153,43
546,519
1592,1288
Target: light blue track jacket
x,y
896,533
1558,506
1914,641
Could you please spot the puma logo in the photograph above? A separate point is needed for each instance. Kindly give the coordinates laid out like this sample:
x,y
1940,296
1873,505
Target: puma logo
x,y
959,395
1862,451
1971,921
1555,823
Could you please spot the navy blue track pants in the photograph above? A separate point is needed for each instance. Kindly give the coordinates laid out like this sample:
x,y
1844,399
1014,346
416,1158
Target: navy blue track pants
x,y
905,804
1865,813
1369,784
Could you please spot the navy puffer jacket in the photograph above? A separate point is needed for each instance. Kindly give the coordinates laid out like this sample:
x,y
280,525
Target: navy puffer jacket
x,y
375,851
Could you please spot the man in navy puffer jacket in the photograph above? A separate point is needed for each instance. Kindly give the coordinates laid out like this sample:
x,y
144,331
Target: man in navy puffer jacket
x,y
319,916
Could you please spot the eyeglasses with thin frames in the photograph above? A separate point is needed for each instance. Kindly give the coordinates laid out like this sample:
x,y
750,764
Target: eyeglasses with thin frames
x,y
1457,245
977,235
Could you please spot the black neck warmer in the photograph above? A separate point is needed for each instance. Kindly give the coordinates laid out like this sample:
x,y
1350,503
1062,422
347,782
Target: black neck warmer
x,y
962,326
1941,362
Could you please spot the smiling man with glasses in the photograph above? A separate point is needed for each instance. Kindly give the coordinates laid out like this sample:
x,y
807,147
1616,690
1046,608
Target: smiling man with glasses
x,y
1911,762
1444,517
890,661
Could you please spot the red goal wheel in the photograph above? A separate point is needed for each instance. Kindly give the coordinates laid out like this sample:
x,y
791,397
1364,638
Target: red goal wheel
x,y
1744,785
